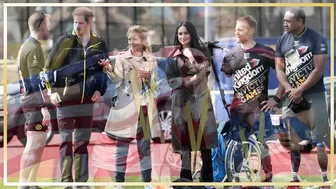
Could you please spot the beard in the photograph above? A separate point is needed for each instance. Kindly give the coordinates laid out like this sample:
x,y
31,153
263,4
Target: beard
x,y
78,32
45,36
242,40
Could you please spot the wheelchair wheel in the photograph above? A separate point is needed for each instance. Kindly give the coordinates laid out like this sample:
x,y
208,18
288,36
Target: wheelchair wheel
x,y
240,167
229,172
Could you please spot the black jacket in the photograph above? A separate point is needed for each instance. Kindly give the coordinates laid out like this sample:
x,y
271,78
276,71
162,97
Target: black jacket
x,y
73,70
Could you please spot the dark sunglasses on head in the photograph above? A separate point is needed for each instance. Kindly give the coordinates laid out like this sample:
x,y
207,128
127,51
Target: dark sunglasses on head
x,y
42,17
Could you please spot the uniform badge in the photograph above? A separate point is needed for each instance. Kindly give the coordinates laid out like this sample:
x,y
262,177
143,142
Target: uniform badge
x,y
296,43
246,55
323,47
38,127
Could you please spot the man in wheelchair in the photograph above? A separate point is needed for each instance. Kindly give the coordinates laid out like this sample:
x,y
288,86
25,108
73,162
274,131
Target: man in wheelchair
x,y
250,63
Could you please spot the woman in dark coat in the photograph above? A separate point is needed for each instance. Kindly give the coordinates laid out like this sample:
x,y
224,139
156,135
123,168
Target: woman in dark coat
x,y
193,119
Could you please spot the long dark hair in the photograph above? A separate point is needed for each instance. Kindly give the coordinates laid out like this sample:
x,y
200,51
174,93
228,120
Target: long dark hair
x,y
195,41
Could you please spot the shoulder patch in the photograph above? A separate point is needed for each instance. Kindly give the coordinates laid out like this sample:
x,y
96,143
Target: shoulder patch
x,y
68,35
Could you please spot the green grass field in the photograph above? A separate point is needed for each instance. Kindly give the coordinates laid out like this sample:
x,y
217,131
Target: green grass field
x,y
277,178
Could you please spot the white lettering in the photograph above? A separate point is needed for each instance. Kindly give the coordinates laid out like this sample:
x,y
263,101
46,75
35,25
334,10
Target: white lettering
x,y
245,76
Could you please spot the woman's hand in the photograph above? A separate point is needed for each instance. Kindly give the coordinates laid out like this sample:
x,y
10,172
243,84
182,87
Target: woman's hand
x,y
106,64
188,53
194,54
144,74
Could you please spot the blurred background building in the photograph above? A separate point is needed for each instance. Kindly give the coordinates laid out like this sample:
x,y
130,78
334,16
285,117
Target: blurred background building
x,y
111,23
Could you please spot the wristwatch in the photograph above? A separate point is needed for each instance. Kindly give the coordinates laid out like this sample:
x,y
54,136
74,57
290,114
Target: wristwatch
x,y
276,99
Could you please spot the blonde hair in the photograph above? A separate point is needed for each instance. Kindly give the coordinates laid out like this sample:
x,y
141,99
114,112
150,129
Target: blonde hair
x,y
250,20
143,34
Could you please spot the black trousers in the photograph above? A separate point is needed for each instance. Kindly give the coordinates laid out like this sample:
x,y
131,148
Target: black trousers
x,y
206,171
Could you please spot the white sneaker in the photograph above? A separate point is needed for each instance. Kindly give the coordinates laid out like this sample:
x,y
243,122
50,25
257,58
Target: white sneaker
x,y
118,187
148,187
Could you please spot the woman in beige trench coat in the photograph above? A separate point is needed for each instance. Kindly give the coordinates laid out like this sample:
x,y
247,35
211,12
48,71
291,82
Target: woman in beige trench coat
x,y
133,114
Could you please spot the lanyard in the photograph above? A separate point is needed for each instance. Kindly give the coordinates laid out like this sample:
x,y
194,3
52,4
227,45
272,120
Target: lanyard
x,y
195,145
136,94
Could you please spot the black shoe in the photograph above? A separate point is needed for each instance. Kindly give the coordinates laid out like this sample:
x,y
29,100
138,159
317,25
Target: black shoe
x,y
35,187
82,187
23,187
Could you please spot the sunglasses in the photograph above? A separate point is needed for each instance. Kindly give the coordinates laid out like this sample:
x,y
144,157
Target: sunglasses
x,y
42,17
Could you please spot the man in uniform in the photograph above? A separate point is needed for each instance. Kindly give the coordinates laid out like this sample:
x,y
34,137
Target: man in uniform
x,y
34,97
250,64
301,56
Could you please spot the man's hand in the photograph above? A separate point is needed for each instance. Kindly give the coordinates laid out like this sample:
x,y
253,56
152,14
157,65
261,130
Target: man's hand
x,y
288,89
106,64
295,94
45,121
55,99
46,97
96,96
144,74
268,105
46,116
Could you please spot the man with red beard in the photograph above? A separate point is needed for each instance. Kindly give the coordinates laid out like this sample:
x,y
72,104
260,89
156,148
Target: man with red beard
x,y
250,64
77,82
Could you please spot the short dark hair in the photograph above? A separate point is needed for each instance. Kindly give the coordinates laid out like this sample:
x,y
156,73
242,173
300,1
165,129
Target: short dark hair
x,y
250,20
35,20
83,11
298,13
